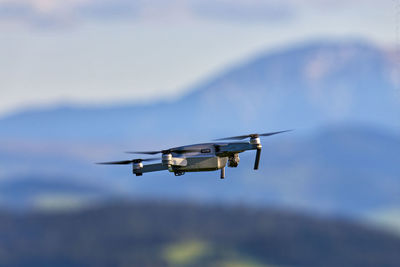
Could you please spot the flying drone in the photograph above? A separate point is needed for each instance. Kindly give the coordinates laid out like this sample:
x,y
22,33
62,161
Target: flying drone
x,y
198,157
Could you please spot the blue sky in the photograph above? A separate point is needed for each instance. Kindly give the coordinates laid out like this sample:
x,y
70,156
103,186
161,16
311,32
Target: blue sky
x,y
103,51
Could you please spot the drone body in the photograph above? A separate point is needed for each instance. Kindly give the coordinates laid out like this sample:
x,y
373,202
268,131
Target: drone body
x,y
199,157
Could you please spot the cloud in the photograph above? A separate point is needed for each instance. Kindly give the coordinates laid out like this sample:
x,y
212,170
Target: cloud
x,y
47,13
61,12
55,13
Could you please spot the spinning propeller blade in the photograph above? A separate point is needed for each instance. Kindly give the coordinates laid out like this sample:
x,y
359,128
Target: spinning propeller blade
x,y
167,151
144,152
241,137
125,162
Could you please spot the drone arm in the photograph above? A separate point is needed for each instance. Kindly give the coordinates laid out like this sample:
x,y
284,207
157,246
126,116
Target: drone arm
x,y
225,150
151,168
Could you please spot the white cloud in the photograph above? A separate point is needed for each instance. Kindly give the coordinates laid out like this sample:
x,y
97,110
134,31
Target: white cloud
x,y
72,12
33,12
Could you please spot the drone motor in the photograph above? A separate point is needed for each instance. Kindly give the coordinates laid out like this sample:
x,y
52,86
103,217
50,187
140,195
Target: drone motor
x,y
137,166
167,159
255,141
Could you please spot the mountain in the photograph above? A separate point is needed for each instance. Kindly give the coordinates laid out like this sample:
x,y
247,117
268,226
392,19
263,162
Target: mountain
x,y
341,98
171,234
51,193
347,170
302,87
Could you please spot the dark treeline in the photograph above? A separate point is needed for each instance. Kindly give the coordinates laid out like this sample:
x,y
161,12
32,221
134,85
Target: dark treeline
x,y
137,234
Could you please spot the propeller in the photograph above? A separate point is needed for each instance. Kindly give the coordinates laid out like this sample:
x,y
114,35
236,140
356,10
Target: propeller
x,y
241,137
167,151
253,136
125,162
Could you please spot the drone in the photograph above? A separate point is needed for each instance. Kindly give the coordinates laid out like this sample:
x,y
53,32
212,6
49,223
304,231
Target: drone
x,y
198,157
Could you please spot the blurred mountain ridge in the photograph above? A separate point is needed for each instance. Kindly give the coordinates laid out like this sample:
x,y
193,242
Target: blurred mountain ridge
x,y
351,170
301,87
170,234
341,98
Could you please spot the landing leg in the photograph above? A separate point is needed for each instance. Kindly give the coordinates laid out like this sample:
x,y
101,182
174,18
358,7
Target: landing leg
x,y
223,173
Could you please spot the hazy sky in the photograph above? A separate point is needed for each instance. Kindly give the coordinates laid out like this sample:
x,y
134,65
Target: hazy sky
x,y
107,51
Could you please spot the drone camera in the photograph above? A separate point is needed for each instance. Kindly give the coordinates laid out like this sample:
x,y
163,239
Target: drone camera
x,y
234,160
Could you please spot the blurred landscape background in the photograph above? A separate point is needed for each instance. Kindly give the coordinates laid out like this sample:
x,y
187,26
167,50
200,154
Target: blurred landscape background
x,y
83,81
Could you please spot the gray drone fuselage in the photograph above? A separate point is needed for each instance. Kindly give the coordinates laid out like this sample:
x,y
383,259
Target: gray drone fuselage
x,y
211,157
199,157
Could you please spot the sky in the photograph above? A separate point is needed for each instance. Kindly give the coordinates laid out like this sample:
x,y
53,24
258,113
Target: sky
x,y
97,52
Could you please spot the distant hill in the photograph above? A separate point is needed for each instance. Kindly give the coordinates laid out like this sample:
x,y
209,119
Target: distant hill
x,y
301,87
146,234
350,170
342,158
52,192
